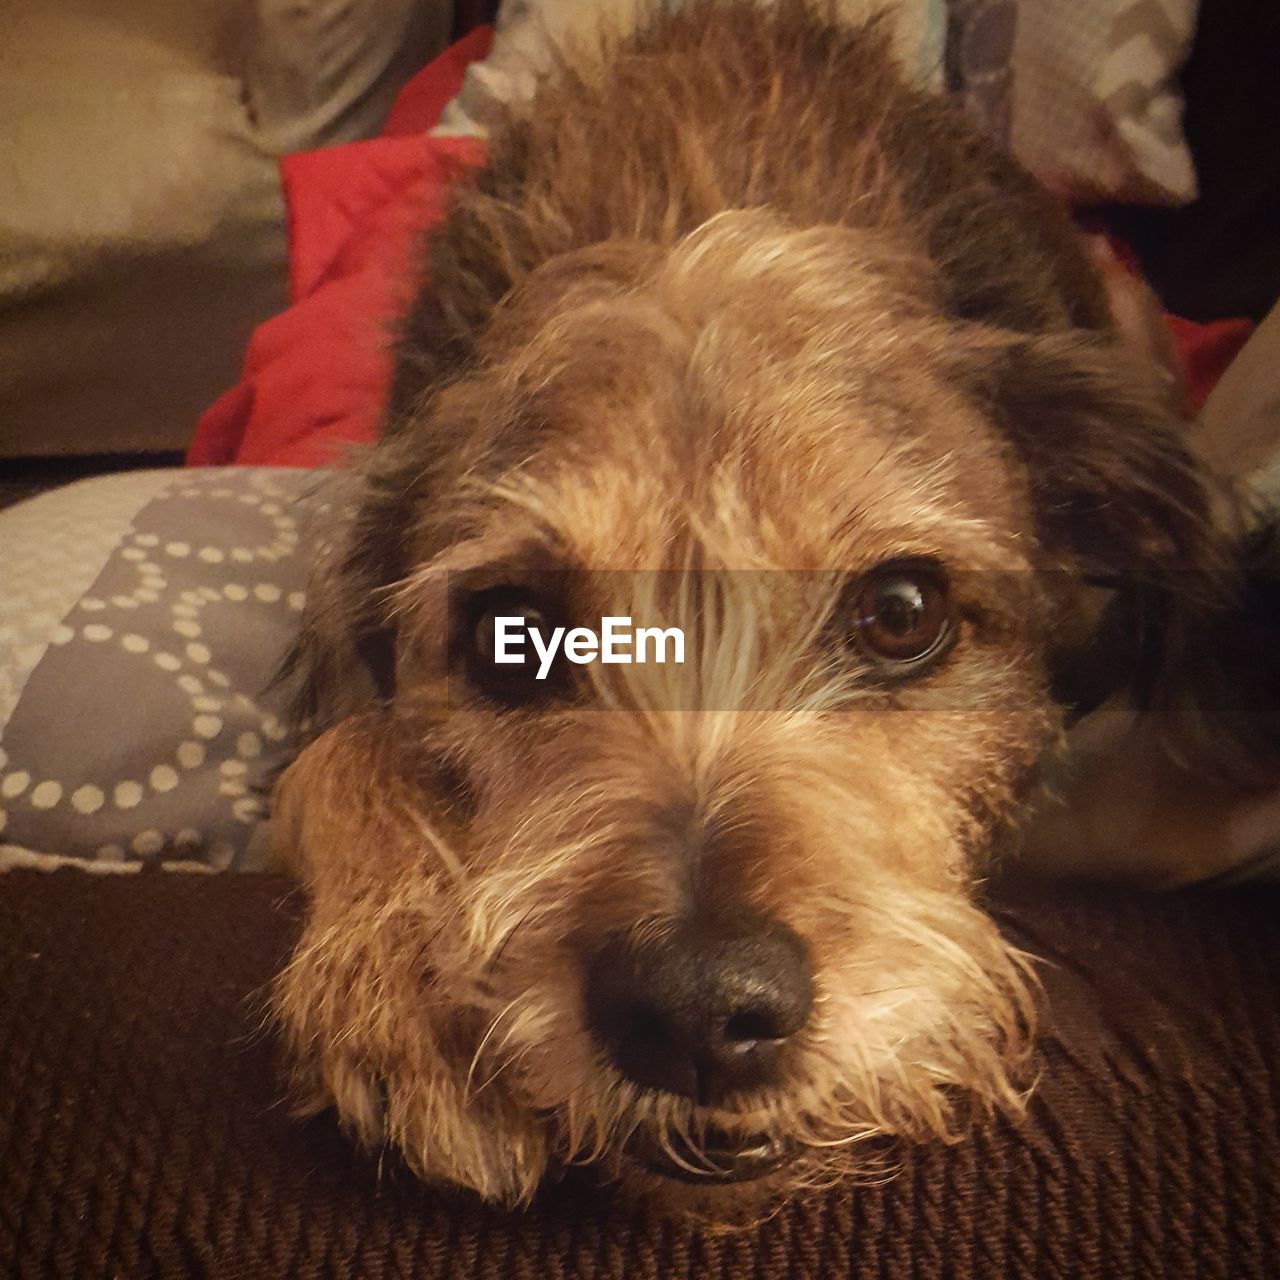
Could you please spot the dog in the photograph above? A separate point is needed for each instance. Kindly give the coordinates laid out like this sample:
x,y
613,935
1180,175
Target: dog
x,y
737,334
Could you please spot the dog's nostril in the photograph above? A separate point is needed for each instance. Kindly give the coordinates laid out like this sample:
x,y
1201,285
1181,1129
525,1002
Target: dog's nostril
x,y
704,1010
752,1027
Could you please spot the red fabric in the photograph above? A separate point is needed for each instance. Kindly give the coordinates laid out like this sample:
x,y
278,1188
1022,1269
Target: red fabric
x,y
422,101
1205,351
315,376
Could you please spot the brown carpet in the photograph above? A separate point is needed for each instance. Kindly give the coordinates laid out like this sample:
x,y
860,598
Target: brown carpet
x,y
141,1133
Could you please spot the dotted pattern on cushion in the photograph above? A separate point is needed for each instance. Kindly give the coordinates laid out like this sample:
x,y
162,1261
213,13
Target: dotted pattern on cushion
x,y
55,544
148,730
142,1131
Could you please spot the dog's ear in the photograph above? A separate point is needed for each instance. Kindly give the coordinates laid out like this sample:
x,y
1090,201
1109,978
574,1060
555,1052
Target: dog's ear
x,y
345,654
1122,504
1113,484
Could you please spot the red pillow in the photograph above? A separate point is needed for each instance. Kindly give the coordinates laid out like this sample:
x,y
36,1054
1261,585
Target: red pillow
x,y
315,375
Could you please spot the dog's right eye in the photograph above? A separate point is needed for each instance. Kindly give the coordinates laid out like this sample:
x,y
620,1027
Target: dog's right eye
x,y
902,616
511,683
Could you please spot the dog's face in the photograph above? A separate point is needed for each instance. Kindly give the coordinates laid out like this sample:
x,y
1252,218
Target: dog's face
x,y
709,921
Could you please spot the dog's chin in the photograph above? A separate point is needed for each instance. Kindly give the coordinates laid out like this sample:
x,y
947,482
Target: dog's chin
x,y
721,1159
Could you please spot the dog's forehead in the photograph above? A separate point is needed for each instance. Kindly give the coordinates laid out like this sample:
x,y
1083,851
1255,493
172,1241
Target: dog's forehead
x,y
775,422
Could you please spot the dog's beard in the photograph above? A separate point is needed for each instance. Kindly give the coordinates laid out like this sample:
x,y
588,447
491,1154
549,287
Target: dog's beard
x,y
923,1021
438,998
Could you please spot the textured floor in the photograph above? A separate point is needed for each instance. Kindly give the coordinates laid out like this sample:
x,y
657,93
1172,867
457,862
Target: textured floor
x,y
142,1130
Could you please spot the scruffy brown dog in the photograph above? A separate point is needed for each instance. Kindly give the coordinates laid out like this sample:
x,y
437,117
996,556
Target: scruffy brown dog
x,y
734,333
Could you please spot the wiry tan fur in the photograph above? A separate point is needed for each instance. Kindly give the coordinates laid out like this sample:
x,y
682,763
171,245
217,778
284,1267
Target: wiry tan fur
x,y
734,300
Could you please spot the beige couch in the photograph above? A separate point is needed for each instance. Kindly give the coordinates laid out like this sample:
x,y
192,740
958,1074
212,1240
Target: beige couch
x,y
141,218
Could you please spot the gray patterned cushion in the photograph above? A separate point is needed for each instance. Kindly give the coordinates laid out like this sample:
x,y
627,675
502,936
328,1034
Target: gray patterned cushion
x,y
142,618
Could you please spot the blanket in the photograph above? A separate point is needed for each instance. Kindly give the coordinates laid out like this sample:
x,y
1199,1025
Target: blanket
x,y
142,1117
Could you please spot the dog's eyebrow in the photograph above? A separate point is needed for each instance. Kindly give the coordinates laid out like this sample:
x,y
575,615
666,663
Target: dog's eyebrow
x,y
529,561
479,563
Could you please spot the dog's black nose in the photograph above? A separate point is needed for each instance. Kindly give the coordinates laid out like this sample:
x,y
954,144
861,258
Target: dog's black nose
x,y
704,1009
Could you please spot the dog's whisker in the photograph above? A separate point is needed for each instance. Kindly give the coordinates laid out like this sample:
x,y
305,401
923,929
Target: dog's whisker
x,y
496,958
484,1039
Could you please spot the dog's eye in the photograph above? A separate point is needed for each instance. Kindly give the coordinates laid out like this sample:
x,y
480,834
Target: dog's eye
x,y
528,678
902,614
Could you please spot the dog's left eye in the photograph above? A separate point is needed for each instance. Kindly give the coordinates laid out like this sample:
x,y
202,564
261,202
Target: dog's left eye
x,y
509,683
902,615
